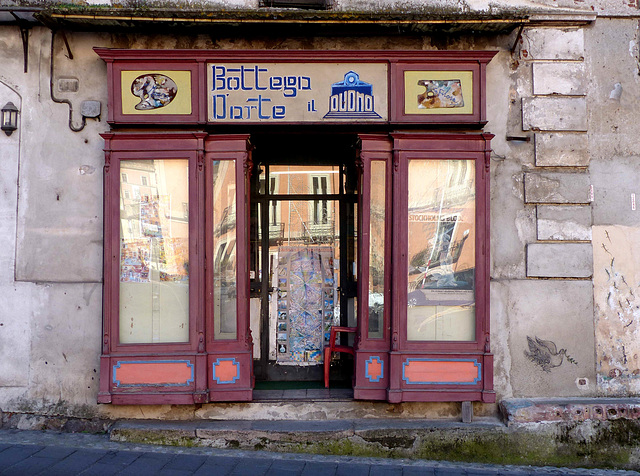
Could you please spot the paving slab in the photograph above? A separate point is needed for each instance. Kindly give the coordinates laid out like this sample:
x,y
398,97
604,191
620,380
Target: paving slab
x,y
29,465
75,462
247,467
16,454
418,472
385,471
286,468
356,469
319,469
220,466
102,469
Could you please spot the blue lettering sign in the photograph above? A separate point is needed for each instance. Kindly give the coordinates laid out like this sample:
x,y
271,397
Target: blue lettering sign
x,y
257,109
254,78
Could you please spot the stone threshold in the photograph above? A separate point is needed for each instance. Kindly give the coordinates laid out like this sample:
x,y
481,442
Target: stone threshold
x,y
310,394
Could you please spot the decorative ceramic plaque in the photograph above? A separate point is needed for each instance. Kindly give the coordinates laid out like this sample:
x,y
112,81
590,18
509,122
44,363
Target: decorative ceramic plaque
x,y
438,92
156,92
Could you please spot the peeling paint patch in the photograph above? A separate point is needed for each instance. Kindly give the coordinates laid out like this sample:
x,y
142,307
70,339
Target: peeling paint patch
x,y
86,170
617,303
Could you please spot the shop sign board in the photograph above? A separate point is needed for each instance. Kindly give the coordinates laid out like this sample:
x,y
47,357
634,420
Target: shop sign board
x,y
297,92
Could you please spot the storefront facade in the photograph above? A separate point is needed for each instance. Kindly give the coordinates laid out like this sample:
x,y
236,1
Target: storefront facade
x,y
308,236
191,201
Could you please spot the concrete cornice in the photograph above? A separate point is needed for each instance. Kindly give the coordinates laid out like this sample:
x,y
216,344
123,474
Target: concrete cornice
x,y
428,19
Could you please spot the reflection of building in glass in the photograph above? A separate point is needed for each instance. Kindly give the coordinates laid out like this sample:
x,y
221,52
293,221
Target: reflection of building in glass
x,y
224,248
441,279
442,225
310,221
154,251
151,206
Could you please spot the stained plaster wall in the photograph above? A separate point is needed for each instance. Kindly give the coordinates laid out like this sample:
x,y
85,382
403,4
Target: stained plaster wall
x,y
567,219
615,174
50,232
540,289
50,258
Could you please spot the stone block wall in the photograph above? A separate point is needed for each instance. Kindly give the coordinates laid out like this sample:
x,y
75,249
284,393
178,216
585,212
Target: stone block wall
x,y
559,184
546,303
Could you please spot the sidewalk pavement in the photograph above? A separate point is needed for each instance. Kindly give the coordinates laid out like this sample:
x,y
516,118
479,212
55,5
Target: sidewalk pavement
x,y
26,453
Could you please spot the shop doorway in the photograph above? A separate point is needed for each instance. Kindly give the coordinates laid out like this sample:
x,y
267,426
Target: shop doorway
x,y
303,251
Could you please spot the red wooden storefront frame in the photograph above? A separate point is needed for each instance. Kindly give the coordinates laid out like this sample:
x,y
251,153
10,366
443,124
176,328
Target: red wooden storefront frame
x,y
229,362
450,359
205,369
177,373
385,367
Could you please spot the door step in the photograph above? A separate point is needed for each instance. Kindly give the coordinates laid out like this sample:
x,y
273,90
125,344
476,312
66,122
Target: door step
x,y
304,394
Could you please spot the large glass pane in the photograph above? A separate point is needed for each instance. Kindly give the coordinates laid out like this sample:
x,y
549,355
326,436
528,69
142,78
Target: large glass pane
x,y
376,249
441,300
154,251
305,180
224,250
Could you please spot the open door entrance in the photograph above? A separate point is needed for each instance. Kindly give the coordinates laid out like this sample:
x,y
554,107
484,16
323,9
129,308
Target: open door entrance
x,y
303,257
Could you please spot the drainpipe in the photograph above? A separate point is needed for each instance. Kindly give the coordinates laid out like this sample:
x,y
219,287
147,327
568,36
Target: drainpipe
x,y
62,101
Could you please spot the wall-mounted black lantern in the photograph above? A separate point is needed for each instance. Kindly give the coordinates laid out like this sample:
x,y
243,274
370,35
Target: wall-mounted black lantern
x,y
9,118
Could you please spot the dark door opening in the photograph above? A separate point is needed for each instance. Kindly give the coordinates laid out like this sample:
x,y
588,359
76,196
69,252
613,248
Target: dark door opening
x,y
303,251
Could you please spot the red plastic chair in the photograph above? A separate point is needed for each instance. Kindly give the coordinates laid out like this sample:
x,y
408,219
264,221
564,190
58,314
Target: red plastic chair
x,y
333,347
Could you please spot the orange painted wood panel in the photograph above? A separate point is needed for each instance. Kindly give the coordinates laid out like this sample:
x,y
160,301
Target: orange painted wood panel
x,y
153,373
434,371
226,371
374,369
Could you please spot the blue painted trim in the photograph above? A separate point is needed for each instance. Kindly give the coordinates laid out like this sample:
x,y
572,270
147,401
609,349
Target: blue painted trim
x,y
475,362
234,379
120,362
366,368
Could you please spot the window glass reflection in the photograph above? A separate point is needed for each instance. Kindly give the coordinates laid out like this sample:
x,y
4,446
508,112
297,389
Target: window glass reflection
x,y
441,276
154,251
376,249
305,180
224,249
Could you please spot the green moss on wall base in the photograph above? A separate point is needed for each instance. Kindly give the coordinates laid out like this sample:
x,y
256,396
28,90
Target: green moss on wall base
x,y
591,444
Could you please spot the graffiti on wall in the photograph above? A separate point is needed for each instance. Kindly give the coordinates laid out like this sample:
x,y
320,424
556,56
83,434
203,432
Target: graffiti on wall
x,y
545,354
